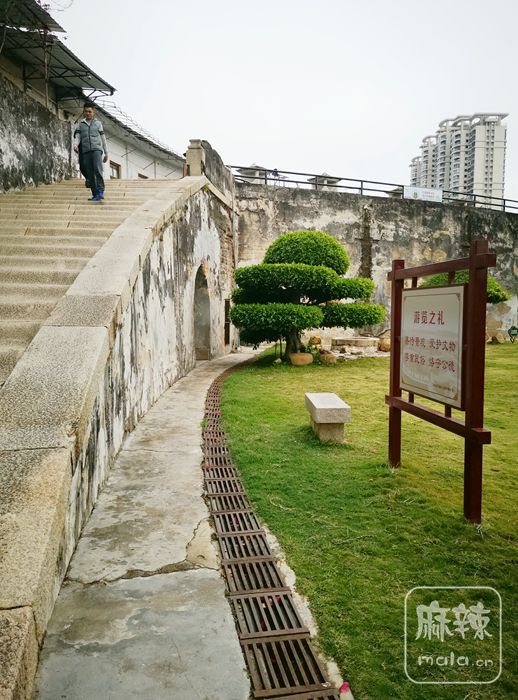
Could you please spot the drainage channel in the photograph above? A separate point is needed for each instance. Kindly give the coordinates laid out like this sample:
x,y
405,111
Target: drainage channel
x,y
276,644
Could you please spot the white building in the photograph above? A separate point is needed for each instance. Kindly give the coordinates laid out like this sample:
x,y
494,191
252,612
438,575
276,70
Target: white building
x,y
133,152
466,155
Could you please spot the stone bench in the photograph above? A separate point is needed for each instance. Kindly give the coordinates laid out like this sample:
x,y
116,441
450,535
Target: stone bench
x,y
329,414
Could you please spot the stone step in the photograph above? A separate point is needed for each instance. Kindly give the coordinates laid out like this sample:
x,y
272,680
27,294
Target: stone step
x,y
16,331
54,231
21,215
38,261
117,186
26,310
36,274
87,223
62,193
113,198
30,293
63,203
9,356
85,210
55,245
79,185
31,275
64,198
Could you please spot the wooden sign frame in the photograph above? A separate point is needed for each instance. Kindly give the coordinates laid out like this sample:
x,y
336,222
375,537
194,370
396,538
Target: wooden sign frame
x,y
473,366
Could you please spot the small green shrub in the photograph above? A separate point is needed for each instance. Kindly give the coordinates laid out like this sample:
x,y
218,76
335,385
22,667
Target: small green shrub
x,y
495,292
310,247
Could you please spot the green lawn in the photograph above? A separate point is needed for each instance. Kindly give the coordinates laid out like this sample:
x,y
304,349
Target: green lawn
x,y
360,535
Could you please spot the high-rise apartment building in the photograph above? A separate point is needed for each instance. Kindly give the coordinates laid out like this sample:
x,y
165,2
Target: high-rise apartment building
x,y
466,155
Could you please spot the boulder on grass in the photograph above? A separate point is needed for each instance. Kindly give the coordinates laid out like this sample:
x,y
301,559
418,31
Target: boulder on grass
x,y
299,359
327,358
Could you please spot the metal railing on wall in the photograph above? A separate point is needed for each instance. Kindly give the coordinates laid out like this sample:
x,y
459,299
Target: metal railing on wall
x,y
374,188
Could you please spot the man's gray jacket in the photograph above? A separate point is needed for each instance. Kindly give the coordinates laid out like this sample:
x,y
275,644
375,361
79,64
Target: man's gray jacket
x,y
91,136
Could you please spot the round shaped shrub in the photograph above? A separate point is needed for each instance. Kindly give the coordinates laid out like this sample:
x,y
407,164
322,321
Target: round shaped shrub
x,y
309,247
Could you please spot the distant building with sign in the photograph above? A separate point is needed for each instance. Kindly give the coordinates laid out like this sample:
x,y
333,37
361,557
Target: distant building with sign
x,y
466,154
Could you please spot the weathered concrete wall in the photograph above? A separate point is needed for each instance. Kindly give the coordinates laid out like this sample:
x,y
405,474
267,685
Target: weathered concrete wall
x,y
121,335
154,345
202,159
374,231
35,145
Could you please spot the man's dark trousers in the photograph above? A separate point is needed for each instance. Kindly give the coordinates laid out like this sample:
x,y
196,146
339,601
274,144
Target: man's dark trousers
x,y
93,165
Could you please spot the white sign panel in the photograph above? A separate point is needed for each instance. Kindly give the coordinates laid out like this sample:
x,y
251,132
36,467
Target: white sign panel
x,y
426,194
431,343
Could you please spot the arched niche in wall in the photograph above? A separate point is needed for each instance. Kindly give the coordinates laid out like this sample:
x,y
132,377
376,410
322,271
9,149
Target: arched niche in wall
x,y
201,316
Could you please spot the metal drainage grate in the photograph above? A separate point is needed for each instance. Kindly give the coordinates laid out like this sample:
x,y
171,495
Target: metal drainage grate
x,y
217,452
227,501
220,486
244,546
236,521
268,613
282,666
216,472
275,642
250,575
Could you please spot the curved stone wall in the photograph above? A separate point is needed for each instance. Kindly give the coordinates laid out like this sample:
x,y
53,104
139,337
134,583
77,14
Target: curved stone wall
x,y
122,334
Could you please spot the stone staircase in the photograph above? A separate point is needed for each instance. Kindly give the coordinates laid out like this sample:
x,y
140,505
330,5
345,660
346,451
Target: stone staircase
x,y
47,235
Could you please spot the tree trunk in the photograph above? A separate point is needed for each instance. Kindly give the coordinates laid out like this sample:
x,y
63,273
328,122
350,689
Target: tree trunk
x,y
292,343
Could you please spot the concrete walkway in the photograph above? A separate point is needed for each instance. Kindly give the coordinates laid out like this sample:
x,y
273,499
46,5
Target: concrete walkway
x,y
142,613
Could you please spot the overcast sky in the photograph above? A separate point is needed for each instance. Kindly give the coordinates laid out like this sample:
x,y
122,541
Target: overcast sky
x,y
349,87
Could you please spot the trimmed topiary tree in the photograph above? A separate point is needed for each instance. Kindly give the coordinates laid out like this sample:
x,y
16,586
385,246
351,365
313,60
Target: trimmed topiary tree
x,y
309,247
296,288
495,292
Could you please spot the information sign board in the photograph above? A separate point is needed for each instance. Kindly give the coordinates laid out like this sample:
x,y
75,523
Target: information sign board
x,y
426,194
431,343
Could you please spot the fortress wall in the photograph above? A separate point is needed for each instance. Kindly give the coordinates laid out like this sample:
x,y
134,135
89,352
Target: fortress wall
x,y
122,334
376,230
35,144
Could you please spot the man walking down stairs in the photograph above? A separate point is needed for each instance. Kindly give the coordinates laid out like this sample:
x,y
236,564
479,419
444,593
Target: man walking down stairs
x,y
90,144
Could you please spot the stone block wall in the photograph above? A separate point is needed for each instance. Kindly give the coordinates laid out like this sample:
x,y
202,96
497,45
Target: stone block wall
x,y
376,230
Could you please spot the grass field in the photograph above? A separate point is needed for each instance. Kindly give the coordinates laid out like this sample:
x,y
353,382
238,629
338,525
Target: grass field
x,y
359,535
